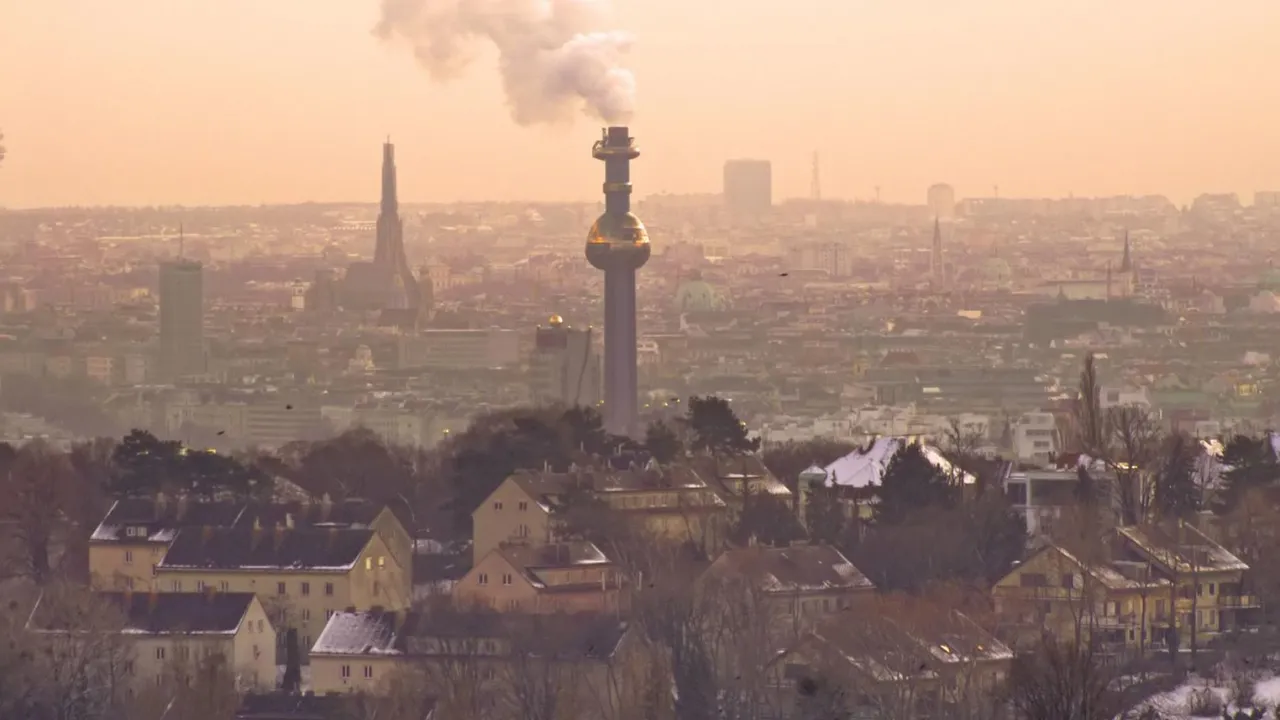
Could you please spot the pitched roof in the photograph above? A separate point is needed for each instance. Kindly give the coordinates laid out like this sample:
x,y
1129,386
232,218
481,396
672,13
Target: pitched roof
x,y
163,613
1194,551
796,569
159,520
247,548
412,633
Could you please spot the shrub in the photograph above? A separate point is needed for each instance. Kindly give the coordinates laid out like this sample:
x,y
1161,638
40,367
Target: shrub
x,y
1204,703
1242,688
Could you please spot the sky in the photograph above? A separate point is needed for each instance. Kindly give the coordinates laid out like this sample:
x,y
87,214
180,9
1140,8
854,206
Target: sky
x,y
197,102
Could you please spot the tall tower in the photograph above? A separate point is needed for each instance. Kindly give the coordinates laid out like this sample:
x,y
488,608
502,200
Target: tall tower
x,y
936,269
181,319
1126,263
389,260
618,244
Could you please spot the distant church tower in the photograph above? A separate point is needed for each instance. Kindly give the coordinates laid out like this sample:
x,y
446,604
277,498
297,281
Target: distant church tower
x,y
389,260
1126,263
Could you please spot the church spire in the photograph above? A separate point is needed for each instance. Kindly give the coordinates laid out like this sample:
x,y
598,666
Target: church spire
x,y
1126,263
390,200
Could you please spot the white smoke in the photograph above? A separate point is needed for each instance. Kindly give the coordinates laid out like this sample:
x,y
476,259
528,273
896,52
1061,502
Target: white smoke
x,y
551,55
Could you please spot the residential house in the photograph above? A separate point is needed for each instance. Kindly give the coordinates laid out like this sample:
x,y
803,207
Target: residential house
x,y
563,577
906,659
1118,604
1210,595
301,575
131,540
168,634
800,584
490,664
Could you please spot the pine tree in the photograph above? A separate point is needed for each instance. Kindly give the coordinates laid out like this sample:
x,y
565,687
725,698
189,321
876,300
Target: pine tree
x,y
911,483
1250,463
717,429
662,441
1177,496
292,663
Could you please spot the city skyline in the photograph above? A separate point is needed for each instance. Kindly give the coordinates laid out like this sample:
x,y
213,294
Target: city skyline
x,y
1093,100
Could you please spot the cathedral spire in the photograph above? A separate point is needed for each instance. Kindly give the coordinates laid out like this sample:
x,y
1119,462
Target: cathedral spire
x,y
1126,263
390,201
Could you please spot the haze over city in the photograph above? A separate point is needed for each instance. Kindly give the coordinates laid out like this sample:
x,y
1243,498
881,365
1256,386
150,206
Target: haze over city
x,y
241,101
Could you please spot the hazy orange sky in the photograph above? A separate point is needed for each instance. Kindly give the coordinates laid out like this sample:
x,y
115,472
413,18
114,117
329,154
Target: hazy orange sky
x,y
249,101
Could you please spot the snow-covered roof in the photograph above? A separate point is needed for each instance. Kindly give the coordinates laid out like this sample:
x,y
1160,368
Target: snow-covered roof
x,y
862,469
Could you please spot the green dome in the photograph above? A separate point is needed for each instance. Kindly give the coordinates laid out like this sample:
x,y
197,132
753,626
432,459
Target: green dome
x,y
1270,281
697,296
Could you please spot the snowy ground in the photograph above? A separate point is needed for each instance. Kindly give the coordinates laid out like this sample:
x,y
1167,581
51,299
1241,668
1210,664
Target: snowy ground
x,y
1173,705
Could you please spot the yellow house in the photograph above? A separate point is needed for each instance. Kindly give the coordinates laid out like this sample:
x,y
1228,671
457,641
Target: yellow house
x,y
1118,604
485,664
131,540
1209,597
566,577
167,635
801,584
301,576
668,502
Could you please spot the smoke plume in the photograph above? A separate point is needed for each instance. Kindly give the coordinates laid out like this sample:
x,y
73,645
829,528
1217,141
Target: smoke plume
x,y
551,54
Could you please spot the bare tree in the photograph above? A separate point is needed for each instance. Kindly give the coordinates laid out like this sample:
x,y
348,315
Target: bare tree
x,y
1132,457
37,486
1063,681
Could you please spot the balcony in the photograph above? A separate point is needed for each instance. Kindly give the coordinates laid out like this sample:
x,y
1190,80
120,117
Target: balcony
x,y
1242,602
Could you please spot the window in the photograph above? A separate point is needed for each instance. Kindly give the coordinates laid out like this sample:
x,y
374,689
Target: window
x,y
224,586
346,671
199,586
128,582
368,671
306,614
506,578
1068,580
159,653
497,505
280,589
182,652
159,679
260,626
524,505
128,667
128,557
368,563
306,588
382,561
1213,587
177,586
482,579
328,589
306,642
522,530
1033,580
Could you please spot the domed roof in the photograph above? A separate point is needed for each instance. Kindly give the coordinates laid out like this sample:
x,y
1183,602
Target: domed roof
x,y
555,321
697,296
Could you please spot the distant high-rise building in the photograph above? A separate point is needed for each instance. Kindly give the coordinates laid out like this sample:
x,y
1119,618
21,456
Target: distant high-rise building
x,y
564,367
181,319
748,186
942,201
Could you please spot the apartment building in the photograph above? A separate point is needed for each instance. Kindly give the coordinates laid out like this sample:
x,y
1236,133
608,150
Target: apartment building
x,y
133,537
168,634
301,576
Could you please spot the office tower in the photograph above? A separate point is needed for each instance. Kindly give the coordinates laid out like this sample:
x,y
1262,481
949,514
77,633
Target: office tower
x,y
748,187
181,319
619,245
564,367
942,201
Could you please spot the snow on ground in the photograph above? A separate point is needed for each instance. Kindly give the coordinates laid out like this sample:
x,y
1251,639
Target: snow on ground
x,y
1173,704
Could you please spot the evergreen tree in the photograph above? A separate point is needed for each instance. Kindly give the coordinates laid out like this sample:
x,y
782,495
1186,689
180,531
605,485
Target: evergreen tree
x,y
1177,496
292,680
911,483
145,465
1249,462
662,441
717,429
